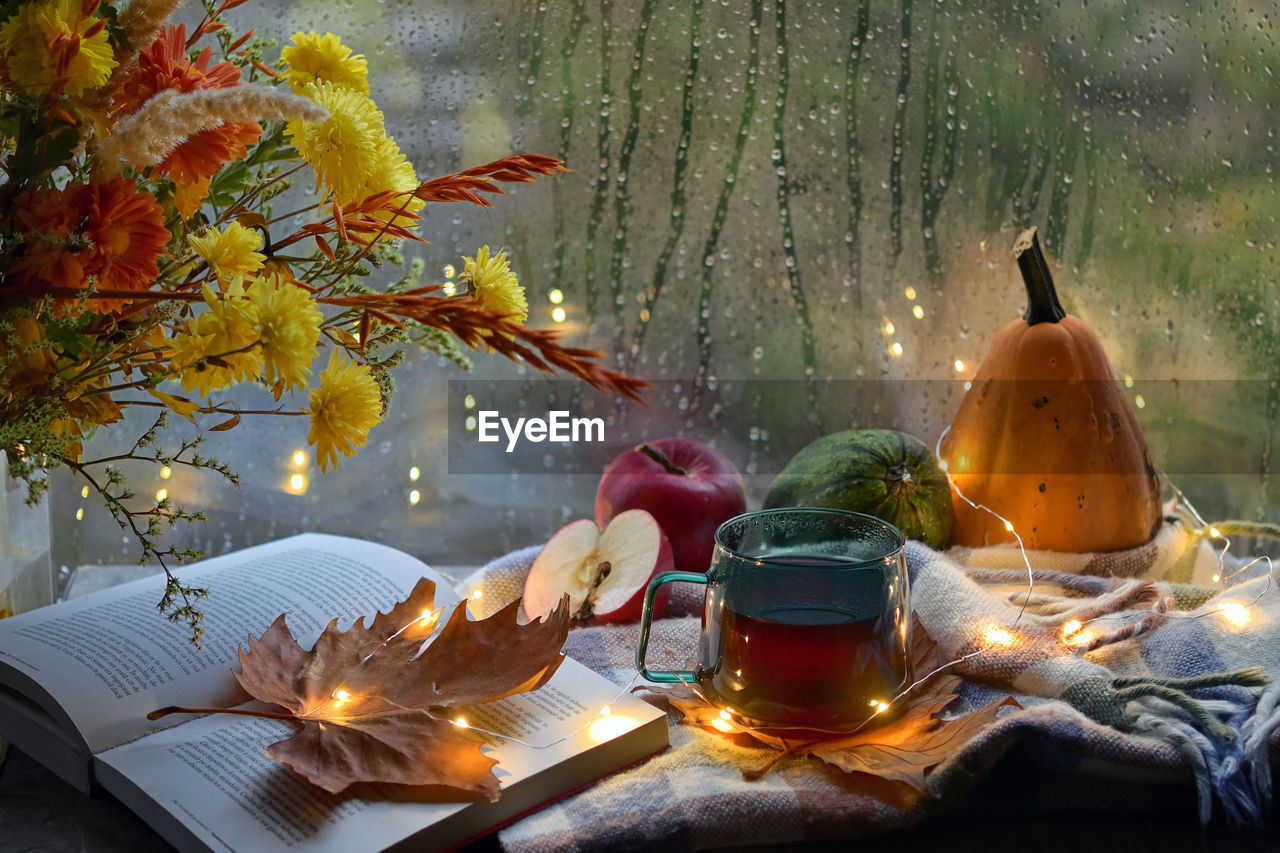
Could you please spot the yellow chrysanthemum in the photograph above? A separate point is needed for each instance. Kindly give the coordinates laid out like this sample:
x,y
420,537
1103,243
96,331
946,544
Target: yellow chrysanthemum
x,y
288,325
314,58
230,252
344,407
394,172
343,148
222,332
494,285
46,43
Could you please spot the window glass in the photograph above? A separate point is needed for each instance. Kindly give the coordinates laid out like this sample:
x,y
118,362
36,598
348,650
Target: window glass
x,y
793,218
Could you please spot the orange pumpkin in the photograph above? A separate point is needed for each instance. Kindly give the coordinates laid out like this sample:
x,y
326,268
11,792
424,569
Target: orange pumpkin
x,y
1046,438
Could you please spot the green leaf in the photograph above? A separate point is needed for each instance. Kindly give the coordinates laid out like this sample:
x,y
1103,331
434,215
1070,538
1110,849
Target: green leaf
x,y
271,147
117,33
72,342
38,152
229,183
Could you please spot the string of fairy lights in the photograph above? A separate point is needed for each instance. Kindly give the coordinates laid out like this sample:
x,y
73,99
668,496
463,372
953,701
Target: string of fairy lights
x,y
604,724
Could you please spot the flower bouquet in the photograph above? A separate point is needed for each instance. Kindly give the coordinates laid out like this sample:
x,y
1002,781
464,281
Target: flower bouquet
x,y
143,262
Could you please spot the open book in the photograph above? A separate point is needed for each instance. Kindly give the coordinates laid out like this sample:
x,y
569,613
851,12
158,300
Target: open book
x,y
78,678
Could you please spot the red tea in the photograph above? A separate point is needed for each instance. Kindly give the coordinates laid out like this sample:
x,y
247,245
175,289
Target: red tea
x,y
809,666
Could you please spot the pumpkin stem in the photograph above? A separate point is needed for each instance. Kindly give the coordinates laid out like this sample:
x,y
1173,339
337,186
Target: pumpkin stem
x,y
1042,299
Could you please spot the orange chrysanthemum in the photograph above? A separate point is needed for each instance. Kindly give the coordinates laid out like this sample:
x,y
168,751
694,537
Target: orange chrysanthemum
x,y
125,235
48,221
164,65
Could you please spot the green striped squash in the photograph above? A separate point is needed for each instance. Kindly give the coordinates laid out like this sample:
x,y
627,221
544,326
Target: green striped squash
x,y
881,472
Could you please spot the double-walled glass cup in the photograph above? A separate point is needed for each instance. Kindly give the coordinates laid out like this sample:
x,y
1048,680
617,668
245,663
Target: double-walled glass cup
x,y
806,620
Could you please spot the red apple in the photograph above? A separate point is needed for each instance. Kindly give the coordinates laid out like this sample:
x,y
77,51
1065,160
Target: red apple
x,y
604,573
688,487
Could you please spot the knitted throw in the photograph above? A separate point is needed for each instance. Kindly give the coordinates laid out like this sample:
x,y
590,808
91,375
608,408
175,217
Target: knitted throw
x,y
1159,682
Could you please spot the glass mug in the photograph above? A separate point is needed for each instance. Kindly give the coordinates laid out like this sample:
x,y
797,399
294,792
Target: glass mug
x,y
805,622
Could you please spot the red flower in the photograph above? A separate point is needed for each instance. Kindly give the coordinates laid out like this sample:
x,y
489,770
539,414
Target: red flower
x,y
164,65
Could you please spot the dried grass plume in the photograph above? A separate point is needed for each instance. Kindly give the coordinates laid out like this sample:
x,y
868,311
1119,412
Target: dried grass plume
x,y
169,118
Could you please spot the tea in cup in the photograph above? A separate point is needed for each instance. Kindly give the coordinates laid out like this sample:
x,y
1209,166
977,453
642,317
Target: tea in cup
x,y
805,620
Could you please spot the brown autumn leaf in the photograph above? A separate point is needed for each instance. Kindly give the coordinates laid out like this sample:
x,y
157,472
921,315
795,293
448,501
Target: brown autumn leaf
x,y
902,752
372,709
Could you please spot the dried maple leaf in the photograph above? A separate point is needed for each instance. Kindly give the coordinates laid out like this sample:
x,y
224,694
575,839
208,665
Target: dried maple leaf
x,y
373,709
901,752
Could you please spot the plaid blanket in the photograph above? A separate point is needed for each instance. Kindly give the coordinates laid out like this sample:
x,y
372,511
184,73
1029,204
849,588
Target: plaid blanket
x,y
1163,680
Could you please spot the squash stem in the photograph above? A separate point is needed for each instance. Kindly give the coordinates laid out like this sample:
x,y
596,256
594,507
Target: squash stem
x,y
1042,299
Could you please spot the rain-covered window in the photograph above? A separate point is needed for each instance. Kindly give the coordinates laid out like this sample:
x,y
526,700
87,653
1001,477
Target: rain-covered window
x,y
794,218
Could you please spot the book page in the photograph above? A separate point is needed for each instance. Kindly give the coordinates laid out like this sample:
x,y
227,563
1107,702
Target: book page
x,y
110,658
208,779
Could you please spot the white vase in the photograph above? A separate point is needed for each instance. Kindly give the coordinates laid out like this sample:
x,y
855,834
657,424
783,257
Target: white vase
x,y
26,572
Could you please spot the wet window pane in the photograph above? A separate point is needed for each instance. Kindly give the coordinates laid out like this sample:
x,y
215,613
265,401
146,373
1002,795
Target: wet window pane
x,y
796,218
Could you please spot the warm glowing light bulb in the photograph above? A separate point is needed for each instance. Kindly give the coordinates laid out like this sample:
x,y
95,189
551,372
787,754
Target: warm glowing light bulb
x,y
299,458
721,725
469,401
461,722
428,619
725,715
942,463
414,473
880,707
297,482
558,314
1128,381
449,288
959,365
888,327
166,472
1235,613
341,696
555,297
1008,525
1082,639
1071,627
471,422
896,349
917,311
997,637
80,514
1140,402
448,271
606,711
161,494
607,727
1216,534
909,292
414,497
477,594
84,491
1217,578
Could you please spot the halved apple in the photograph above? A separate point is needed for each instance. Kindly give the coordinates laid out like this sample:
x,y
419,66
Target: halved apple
x,y
604,573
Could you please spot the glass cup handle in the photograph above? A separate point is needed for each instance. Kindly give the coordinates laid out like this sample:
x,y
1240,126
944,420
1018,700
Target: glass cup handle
x,y
662,675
